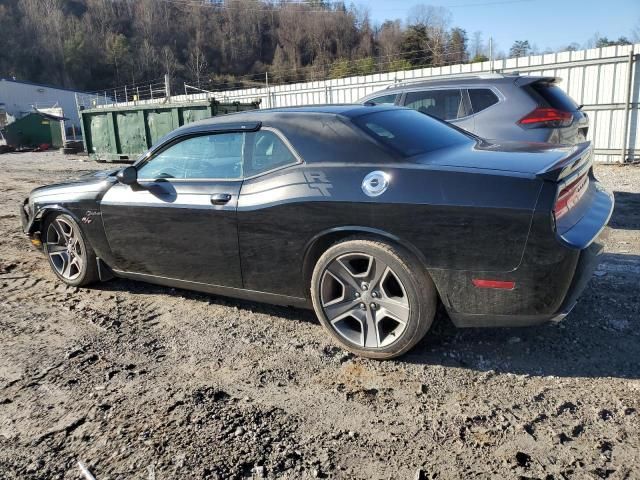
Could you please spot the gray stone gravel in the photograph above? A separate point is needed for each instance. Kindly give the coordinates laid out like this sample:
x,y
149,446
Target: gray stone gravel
x,y
139,381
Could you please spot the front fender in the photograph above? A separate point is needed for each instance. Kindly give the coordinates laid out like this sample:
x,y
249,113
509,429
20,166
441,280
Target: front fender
x,y
32,222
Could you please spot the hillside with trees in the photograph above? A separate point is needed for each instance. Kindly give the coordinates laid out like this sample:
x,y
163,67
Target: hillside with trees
x,y
215,44
95,44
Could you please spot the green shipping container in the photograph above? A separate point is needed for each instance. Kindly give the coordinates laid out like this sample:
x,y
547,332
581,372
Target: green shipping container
x,y
124,133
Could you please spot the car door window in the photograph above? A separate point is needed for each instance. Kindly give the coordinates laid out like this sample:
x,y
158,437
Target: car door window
x,y
481,98
216,156
383,100
269,152
443,104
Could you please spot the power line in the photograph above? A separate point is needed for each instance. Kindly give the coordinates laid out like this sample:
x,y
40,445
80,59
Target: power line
x,y
347,63
271,8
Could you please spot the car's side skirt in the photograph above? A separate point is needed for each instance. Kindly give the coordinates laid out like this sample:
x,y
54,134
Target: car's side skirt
x,y
240,293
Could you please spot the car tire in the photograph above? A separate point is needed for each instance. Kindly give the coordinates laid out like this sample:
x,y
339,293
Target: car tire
x,y
374,298
69,254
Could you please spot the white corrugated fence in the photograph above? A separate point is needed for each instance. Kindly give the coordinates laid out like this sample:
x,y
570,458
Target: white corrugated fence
x,y
604,80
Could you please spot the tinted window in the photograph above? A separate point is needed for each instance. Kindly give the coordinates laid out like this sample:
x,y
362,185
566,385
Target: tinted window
x,y
555,97
205,156
443,104
383,100
481,98
408,132
269,152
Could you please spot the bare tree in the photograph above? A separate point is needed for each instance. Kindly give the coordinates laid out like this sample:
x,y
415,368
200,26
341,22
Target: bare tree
x,y
436,20
196,64
169,61
389,38
478,47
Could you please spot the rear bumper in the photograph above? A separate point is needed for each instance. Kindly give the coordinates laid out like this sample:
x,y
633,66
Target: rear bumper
x,y
549,280
587,263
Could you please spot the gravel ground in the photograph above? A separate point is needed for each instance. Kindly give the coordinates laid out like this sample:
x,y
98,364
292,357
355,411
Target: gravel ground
x,y
145,382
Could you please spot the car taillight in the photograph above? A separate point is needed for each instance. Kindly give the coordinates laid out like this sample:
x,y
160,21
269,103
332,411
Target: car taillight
x,y
546,117
570,195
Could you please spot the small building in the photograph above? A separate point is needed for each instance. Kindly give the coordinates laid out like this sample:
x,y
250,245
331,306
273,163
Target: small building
x,y
36,129
20,98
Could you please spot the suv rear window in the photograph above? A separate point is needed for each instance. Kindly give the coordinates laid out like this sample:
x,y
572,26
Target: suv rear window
x,y
555,97
408,132
481,98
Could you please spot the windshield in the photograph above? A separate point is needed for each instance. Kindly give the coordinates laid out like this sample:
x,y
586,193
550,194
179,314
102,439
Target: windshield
x,y
409,132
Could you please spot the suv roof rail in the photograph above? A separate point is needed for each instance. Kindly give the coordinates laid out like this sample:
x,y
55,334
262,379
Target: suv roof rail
x,y
456,76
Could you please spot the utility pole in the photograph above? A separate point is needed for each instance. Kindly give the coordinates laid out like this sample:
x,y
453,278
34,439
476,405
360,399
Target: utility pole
x,y
627,104
167,86
491,54
266,81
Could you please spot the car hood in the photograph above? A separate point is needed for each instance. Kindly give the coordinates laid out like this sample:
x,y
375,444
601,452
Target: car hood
x,y
517,157
93,182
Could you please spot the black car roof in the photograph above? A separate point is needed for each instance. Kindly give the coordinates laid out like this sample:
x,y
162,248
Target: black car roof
x,y
347,110
253,116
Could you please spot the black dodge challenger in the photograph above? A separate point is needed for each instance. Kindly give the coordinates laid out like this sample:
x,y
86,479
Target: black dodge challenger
x,y
370,214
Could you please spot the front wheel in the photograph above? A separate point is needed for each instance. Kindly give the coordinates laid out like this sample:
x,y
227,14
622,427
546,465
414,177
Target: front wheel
x,y
375,299
70,256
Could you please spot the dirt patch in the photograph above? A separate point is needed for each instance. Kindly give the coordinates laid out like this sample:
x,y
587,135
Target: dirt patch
x,y
140,381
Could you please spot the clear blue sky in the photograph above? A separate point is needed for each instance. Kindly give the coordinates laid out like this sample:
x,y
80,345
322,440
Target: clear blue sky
x,y
545,23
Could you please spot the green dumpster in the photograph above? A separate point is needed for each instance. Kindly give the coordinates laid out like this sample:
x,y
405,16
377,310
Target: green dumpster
x,y
35,129
123,133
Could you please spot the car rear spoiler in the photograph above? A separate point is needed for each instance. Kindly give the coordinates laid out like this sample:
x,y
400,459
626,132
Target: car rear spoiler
x,y
578,159
525,80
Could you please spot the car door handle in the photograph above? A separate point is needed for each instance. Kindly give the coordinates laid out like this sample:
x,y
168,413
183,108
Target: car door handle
x,y
220,198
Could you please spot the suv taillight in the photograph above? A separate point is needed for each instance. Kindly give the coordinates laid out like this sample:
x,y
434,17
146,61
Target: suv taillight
x,y
546,117
570,195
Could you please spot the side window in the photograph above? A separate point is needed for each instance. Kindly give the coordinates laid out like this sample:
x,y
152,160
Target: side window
x,y
269,152
482,98
383,100
205,156
443,104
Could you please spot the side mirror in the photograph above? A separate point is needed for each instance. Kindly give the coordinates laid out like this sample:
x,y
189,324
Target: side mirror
x,y
127,176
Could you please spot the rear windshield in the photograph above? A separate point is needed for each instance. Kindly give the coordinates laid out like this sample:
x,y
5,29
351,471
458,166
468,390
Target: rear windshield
x,y
383,100
409,132
555,97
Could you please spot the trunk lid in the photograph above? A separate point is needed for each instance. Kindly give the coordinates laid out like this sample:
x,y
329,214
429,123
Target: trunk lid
x,y
546,161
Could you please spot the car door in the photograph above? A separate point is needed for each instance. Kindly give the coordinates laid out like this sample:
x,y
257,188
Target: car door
x,y
179,220
267,223
449,104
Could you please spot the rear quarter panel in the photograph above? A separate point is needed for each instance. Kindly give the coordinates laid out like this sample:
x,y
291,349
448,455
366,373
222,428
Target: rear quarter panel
x,y
453,219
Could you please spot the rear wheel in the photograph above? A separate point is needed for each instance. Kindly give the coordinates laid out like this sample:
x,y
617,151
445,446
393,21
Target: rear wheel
x,y
375,299
70,256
